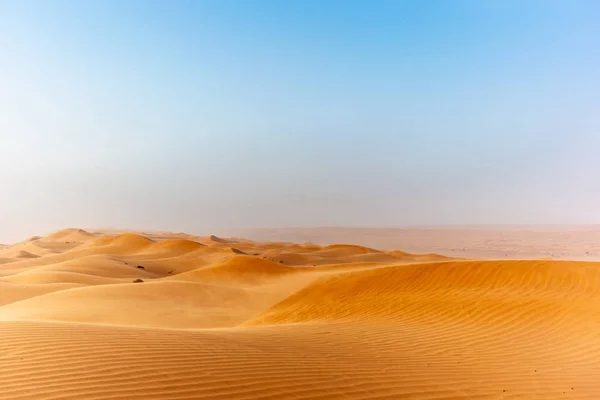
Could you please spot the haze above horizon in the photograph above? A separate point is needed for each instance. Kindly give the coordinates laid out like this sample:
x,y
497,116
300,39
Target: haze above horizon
x,y
199,116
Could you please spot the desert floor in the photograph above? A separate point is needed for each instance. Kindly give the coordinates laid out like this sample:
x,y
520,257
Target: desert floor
x,y
97,315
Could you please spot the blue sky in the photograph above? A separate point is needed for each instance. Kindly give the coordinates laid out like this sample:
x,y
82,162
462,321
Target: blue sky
x,y
201,115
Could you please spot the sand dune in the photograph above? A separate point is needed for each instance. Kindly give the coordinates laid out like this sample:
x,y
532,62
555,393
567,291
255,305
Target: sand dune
x,y
25,254
177,246
459,291
48,275
113,315
13,292
238,270
67,235
217,239
568,242
128,242
151,304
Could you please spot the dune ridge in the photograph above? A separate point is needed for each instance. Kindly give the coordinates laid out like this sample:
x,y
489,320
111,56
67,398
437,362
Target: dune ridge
x,y
125,315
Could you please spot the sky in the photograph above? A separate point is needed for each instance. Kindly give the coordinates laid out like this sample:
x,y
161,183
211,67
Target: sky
x,y
205,115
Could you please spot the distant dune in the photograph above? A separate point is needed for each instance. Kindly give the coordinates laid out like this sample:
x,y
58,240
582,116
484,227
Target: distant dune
x,y
129,315
567,242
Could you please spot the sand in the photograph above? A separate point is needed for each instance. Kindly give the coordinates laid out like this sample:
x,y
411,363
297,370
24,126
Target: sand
x,y
567,242
112,315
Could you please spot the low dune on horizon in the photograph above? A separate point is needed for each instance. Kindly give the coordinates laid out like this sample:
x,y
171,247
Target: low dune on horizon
x,y
563,242
124,315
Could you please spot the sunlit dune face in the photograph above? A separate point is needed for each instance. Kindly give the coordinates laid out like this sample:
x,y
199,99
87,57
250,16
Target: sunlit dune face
x,y
159,316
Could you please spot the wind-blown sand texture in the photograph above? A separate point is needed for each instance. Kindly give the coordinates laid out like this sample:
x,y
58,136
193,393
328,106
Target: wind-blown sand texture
x,y
217,318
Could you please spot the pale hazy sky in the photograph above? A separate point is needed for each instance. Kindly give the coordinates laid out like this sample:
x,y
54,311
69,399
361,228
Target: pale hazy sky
x,y
199,115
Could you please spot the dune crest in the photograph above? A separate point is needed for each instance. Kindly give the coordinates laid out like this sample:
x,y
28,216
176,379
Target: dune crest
x,y
127,241
177,246
69,234
174,316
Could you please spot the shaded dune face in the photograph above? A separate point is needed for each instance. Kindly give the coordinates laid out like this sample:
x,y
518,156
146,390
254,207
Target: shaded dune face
x,y
93,315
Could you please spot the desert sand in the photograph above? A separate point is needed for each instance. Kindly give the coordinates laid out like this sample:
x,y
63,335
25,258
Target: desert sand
x,y
564,242
108,315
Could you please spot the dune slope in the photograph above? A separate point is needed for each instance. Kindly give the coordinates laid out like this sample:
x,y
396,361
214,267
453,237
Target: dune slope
x,y
204,320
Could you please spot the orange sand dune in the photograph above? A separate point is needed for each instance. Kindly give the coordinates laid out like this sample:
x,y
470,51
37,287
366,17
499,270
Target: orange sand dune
x,y
347,249
67,235
453,292
48,275
96,265
239,270
216,239
127,241
13,292
151,304
112,315
25,254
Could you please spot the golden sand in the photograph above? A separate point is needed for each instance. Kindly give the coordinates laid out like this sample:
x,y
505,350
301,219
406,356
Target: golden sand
x,y
159,316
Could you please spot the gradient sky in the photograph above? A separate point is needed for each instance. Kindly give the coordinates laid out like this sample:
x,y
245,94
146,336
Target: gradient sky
x,y
200,115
